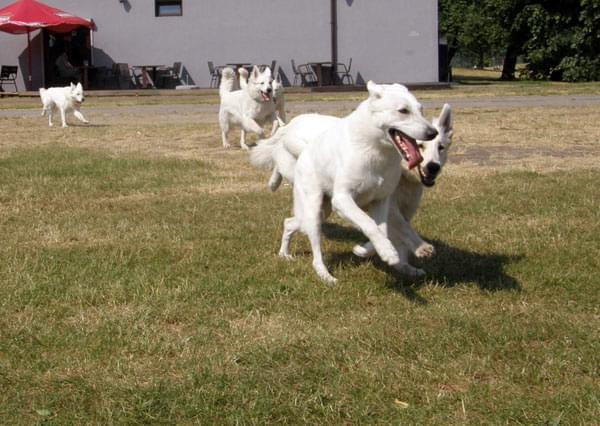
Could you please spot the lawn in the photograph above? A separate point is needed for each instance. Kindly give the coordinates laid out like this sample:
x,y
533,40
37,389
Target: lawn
x,y
139,282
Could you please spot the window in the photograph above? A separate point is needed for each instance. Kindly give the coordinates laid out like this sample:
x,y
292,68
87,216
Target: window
x,y
168,7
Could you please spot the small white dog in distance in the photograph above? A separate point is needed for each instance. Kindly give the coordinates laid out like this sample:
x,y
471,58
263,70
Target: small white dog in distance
x,y
250,108
64,99
407,196
353,167
278,95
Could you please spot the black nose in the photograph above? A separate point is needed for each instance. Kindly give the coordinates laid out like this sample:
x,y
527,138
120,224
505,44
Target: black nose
x,y
431,133
433,168
269,90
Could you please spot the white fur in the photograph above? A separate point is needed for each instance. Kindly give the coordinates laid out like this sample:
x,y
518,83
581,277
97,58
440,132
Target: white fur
x,y
64,99
281,151
408,193
250,108
352,167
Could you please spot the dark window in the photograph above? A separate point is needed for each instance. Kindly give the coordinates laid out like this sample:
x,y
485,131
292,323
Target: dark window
x,y
168,8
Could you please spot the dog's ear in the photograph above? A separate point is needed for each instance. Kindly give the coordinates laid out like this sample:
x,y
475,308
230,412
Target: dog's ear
x,y
278,78
375,90
72,85
255,72
79,86
445,118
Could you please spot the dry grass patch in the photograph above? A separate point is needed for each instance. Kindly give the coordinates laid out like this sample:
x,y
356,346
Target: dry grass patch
x,y
140,282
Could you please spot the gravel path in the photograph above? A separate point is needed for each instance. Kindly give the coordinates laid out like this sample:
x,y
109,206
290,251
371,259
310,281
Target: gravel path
x,y
206,113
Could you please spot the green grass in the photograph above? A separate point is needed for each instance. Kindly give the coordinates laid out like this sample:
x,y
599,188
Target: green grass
x,y
132,295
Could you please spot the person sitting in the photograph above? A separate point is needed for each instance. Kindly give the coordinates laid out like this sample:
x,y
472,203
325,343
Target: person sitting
x,y
66,69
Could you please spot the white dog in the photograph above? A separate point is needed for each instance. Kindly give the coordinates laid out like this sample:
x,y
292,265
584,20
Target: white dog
x,y
64,99
281,151
278,97
407,196
250,107
355,164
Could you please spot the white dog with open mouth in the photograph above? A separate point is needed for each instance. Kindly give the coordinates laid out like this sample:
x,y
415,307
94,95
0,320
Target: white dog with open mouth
x,y
278,93
64,99
407,196
250,107
353,167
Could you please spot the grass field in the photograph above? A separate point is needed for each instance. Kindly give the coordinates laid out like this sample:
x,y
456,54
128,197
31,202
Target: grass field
x,y
139,282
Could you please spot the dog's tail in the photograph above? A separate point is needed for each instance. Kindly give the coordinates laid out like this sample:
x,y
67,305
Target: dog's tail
x,y
262,154
243,72
227,81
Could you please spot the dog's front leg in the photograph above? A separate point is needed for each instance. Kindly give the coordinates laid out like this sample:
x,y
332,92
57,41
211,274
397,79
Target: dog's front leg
x,y
77,113
62,117
243,140
345,206
250,125
403,234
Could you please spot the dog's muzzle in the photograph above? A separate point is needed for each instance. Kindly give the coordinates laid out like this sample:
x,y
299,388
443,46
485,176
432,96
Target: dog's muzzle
x,y
407,147
429,172
266,96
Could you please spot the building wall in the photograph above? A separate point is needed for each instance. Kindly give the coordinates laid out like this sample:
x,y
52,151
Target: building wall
x,y
389,40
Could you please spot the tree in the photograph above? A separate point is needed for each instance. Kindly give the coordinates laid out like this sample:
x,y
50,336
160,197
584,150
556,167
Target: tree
x,y
559,39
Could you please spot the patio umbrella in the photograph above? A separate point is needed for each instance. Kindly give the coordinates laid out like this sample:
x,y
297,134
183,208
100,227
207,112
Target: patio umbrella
x,y
24,16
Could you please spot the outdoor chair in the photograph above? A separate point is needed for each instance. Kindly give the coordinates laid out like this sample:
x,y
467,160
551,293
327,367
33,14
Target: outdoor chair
x,y
169,77
215,74
304,73
124,76
343,72
8,74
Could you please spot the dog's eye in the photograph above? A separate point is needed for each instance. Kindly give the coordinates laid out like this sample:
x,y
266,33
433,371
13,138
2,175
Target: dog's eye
x,y
441,148
403,111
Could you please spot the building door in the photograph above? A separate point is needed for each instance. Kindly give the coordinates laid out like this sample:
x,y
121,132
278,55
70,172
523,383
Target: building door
x,y
77,46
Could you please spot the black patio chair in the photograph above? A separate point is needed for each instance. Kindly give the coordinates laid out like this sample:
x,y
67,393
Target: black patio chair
x,y
305,73
8,74
215,74
169,77
343,72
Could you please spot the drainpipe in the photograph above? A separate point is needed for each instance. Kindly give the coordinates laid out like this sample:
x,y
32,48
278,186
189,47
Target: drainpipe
x,y
334,30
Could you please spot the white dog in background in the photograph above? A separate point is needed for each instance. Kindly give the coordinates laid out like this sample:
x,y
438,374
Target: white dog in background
x,y
250,108
353,167
64,99
407,196
278,96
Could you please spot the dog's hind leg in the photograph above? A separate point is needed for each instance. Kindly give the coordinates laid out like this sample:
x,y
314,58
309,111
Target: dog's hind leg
x,y
50,112
310,222
290,226
275,179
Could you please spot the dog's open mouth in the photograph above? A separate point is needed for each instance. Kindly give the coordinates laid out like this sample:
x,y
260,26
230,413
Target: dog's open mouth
x,y
407,146
265,96
426,178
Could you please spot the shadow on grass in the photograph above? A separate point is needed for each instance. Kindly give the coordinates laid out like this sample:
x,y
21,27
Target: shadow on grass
x,y
450,267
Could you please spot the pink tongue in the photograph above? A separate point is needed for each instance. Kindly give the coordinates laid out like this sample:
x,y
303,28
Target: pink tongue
x,y
410,151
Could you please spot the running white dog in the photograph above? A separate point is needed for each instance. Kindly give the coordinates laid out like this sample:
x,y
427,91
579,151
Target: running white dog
x,y
281,151
64,99
355,164
278,90
407,196
250,107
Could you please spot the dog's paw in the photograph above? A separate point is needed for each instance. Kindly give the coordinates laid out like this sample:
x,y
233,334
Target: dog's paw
x,y
285,255
226,145
363,250
425,251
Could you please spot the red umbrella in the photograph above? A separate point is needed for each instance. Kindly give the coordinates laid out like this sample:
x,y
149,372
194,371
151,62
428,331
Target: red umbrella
x,y
24,16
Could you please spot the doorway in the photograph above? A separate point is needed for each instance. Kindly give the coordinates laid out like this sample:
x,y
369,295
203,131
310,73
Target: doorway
x,y
77,46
